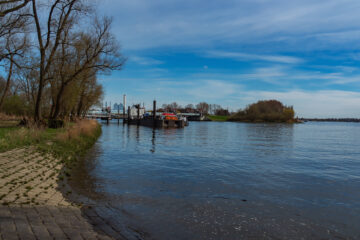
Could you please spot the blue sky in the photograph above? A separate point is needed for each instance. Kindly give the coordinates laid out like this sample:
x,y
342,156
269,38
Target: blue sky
x,y
233,53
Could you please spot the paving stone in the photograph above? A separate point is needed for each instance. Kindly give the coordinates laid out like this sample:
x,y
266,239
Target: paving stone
x,y
41,232
24,171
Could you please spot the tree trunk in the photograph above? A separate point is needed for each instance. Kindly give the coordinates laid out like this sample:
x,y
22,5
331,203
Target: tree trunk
x,y
7,83
38,98
80,105
42,64
57,103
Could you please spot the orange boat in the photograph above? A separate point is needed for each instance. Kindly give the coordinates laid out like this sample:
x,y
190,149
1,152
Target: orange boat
x,y
169,116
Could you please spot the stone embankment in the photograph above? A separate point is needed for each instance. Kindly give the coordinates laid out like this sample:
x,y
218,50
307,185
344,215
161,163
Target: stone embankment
x,y
33,193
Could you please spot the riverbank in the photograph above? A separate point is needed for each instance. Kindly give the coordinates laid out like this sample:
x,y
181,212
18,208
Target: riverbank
x,y
34,189
218,118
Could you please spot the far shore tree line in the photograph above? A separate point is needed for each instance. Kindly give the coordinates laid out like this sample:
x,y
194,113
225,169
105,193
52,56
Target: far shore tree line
x,y
51,54
262,111
202,107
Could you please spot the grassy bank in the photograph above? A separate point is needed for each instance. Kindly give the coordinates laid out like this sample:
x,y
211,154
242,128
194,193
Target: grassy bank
x,y
65,143
218,118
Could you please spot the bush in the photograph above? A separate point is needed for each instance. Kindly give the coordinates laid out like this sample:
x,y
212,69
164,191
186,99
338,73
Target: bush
x,y
265,111
14,105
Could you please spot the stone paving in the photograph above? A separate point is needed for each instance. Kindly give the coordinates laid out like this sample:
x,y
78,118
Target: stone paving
x,y
33,207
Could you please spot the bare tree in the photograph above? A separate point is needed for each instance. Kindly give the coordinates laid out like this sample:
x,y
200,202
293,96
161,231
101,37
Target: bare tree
x,y
66,57
203,107
10,6
83,54
28,84
13,45
60,16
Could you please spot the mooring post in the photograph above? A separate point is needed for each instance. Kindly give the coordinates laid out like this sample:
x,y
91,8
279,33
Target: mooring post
x,y
154,113
138,114
129,114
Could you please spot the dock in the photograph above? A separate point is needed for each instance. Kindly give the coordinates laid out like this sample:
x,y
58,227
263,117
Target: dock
x,y
136,115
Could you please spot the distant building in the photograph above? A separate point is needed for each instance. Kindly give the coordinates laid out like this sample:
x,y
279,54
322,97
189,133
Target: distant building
x,y
117,107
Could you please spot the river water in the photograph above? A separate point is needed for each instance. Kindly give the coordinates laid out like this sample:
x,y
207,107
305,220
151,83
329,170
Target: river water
x,y
215,180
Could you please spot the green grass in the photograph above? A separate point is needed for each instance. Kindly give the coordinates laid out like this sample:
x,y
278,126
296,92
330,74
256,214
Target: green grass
x,y
5,130
218,118
16,137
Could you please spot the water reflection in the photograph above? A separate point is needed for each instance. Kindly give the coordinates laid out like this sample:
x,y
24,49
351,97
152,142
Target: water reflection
x,y
153,141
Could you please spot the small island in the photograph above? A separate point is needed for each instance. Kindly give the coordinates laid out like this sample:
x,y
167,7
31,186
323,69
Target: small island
x,y
265,111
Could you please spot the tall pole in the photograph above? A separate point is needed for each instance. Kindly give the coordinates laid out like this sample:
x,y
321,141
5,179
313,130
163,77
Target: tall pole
x,y
128,115
154,109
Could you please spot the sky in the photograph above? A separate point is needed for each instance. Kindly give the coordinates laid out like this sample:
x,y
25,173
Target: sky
x,y
234,53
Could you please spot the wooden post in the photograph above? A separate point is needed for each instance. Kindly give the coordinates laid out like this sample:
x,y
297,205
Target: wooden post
x,y
138,114
154,113
128,114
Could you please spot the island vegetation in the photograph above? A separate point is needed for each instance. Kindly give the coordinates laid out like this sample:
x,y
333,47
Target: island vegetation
x,y
265,111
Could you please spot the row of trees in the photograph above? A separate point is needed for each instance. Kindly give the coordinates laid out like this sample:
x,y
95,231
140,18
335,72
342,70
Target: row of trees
x,y
52,52
202,107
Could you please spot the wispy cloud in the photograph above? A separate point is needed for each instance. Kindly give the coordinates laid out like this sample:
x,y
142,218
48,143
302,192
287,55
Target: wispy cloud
x,y
280,75
145,60
251,57
213,89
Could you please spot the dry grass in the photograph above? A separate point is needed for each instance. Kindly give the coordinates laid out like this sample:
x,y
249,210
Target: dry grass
x,y
8,120
83,127
4,117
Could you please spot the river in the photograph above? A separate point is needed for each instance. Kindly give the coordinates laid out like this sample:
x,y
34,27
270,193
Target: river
x,y
215,180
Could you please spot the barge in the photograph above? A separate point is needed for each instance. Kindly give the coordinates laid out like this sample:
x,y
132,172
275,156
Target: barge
x,y
154,120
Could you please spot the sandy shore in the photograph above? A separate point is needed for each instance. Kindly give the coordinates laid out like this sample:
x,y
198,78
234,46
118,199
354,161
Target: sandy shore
x,y
34,203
